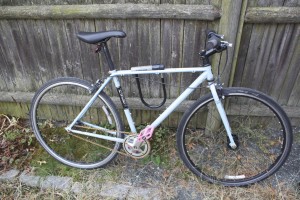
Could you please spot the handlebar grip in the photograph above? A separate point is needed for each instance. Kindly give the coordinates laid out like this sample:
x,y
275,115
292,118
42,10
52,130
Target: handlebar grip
x,y
213,41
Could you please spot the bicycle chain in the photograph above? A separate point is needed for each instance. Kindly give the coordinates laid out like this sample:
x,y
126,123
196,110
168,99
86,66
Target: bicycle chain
x,y
105,147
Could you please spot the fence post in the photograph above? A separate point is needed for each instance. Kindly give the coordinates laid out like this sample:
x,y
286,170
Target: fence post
x,y
238,41
230,24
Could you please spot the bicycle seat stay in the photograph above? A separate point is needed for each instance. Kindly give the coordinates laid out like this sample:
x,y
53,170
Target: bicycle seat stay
x,y
98,37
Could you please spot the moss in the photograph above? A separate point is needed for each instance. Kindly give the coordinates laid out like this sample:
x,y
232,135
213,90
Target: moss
x,y
20,110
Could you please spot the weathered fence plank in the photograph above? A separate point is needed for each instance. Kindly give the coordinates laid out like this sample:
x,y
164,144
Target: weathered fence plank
x,y
237,44
290,94
43,45
13,71
111,11
256,59
37,30
294,98
75,52
287,44
59,49
22,99
273,15
134,103
172,32
193,43
228,26
172,52
4,63
48,2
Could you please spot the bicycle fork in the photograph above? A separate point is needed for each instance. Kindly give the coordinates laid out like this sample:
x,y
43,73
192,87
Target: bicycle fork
x,y
223,115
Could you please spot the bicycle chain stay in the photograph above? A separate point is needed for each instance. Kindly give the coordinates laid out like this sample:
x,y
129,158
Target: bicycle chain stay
x,y
100,145
109,131
142,135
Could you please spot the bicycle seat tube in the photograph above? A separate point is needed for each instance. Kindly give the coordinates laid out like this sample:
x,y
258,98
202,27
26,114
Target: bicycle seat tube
x,y
112,67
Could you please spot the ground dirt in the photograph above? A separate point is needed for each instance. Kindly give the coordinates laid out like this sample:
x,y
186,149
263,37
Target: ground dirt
x,y
167,181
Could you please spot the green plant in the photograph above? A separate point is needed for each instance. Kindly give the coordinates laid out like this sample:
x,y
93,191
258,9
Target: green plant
x,y
46,165
162,143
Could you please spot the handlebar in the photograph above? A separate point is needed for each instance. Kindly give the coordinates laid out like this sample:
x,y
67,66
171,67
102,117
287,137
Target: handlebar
x,y
214,44
214,40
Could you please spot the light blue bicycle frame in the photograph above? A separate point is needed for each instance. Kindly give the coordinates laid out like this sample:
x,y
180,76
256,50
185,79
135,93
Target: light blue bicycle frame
x,y
206,74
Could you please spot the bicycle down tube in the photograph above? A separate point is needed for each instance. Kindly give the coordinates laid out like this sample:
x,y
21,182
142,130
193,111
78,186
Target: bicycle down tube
x,y
205,75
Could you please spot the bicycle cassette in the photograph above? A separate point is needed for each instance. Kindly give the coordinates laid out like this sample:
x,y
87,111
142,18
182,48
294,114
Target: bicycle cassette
x,y
135,148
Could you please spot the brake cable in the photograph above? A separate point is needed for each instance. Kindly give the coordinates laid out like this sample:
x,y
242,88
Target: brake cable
x,y
219,75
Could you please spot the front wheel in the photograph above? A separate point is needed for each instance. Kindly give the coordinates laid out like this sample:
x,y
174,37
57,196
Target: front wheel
x,y
260,128
56,105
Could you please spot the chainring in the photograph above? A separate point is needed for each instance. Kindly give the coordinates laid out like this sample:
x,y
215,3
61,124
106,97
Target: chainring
x,y
140,151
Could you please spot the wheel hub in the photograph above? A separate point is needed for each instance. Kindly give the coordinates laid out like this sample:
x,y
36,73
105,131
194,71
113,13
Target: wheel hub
x,y
236,141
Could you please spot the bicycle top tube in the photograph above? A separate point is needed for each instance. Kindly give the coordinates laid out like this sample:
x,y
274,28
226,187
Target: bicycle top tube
x,y
165,71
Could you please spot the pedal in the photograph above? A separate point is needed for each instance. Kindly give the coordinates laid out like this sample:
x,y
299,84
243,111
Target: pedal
x,y
145,134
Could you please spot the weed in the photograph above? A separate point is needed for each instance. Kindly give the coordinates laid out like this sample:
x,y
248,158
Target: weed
x,y
161,143
16,142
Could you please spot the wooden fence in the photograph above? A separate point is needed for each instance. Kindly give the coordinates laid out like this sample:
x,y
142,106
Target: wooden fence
x,y
38,42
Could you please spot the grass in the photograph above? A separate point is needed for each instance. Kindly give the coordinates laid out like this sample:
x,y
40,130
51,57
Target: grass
x,y
199,189
45,165
161,169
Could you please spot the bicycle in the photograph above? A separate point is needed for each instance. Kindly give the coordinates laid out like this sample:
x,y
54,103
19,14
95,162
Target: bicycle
x,y
231,136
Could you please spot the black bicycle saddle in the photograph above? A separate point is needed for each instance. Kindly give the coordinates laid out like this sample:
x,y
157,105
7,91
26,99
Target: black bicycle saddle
x,y
97,37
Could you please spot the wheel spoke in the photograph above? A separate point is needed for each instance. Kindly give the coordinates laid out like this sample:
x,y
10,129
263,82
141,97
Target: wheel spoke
x,y
56,105
204,147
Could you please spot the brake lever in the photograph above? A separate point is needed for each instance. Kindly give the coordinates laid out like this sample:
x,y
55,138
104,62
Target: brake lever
x,y
226,43
220,36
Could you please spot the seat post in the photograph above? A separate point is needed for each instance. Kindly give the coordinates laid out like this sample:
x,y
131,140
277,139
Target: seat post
x,y
107,56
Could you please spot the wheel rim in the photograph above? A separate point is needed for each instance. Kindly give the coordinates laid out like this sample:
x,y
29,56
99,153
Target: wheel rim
x,y
256,158
50,120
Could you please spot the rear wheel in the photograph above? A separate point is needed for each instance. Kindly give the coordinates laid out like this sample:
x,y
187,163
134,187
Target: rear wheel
x,y
56,105
260,128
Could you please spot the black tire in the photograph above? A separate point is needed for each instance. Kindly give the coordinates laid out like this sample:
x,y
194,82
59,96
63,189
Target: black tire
x,y
260,127
55,105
